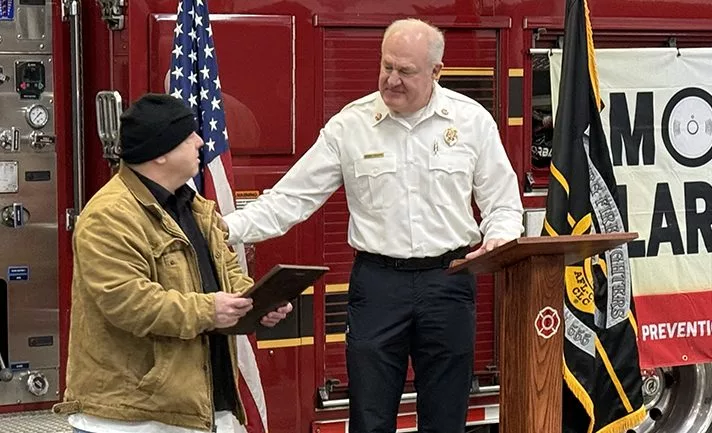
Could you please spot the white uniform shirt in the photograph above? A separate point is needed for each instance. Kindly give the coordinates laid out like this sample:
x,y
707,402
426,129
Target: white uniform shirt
x,y
409,188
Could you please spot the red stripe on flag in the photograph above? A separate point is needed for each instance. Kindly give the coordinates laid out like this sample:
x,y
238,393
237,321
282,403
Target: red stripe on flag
x,y
226,158
254,419
208,186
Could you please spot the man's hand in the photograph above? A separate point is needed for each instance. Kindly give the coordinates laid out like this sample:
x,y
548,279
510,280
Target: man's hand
x,y
274,317
222,224
229,308
486,247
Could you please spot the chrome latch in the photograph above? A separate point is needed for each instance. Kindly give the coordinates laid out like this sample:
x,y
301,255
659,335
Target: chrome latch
x,y
70,219
113,12
69,8
108,113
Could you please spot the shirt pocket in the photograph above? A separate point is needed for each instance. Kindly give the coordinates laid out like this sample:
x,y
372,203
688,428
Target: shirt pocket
x,y
450,179
174,270
373,178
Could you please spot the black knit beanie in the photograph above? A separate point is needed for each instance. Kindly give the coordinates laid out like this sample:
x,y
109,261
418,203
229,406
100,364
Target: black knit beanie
x,y
153,126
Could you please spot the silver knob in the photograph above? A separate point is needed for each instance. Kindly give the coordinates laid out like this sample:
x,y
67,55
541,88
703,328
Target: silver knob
x,y
37,384
6,139
6,375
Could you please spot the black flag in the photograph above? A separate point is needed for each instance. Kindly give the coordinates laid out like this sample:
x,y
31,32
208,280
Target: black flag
x,y
602,391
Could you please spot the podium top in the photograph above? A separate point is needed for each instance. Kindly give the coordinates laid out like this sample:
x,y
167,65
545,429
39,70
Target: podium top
x,y
573,248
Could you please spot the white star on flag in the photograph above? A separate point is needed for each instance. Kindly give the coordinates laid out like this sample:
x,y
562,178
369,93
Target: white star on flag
x,y
211,145
177,72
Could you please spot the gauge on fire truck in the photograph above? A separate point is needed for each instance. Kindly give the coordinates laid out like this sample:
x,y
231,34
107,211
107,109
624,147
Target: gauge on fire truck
x,y
37,116
30,79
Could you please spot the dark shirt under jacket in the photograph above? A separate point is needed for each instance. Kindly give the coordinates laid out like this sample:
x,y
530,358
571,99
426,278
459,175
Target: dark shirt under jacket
x,y
178,206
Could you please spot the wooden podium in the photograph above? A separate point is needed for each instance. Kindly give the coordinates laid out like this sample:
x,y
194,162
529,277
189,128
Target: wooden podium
x,y
530,280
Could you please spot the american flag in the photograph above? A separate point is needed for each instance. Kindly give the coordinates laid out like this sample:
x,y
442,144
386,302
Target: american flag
x,y
194,79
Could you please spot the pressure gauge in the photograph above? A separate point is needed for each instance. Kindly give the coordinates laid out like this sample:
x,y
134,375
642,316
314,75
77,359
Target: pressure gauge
x,y
37,116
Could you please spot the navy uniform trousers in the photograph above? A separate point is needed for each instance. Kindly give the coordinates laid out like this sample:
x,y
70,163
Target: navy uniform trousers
x,y
399,308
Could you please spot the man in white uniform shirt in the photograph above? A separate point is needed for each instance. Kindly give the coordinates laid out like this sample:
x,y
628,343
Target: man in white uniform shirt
x,y
411,157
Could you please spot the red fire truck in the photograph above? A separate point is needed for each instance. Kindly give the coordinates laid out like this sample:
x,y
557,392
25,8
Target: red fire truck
x,y
286,67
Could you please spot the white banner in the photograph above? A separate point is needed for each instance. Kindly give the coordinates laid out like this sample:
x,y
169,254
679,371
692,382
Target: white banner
x,y
658,122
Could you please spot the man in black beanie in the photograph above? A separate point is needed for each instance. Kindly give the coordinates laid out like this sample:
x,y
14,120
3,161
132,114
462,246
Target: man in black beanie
x,y
152,277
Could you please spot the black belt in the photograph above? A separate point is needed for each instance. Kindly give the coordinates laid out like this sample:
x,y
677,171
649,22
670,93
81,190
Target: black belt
x,y
415,263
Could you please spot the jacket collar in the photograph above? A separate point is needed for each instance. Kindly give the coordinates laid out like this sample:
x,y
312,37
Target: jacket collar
x,y
165,198
144,196
439,105
139,190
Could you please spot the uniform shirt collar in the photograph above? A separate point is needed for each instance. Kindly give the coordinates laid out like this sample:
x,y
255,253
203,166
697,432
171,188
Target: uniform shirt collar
x,y
442,105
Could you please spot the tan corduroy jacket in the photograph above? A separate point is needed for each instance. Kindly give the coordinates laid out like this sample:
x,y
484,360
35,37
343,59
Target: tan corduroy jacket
x,y
137,345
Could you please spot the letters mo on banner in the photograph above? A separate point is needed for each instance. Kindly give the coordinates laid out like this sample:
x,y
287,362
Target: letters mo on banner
x,y
658,121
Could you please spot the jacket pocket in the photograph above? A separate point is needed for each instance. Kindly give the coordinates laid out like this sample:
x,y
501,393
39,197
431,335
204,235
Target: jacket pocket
x,y
450,179
373,178
156,376
174,268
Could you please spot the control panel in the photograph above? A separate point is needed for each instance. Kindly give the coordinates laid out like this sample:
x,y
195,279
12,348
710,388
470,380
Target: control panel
x,y
29,319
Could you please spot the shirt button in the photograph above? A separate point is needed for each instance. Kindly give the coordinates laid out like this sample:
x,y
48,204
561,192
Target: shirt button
x,y
411,189
205,367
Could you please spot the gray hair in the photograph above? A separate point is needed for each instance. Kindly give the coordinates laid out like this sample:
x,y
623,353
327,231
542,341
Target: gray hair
x,y
436,40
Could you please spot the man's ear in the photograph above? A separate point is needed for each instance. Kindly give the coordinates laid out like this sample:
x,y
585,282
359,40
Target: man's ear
x,y
167,82
437,68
